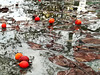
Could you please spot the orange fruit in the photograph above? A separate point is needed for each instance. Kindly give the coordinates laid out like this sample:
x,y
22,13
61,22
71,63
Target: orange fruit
x,y
52,20
78,22
18,55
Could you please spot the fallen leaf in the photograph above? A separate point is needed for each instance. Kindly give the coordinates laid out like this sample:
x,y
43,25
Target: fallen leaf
x,y
35,46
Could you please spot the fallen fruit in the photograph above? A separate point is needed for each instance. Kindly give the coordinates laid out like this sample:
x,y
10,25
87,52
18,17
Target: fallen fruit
x,y
18,55
24,58
24,64
39,0
3,25
51,20
78,22
37,19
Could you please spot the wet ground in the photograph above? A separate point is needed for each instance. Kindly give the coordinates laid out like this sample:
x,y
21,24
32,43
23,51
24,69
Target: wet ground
x,y
36,41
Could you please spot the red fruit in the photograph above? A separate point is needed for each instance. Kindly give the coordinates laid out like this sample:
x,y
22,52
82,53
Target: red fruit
x,y
78,22
37,19
24,58
24,64
3,25
39,0
51,20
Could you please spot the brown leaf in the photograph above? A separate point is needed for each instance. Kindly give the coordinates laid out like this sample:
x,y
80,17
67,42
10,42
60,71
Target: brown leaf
x,y
91,40
35,46
87,48
62,61
55,46
75,71
81,56
76,67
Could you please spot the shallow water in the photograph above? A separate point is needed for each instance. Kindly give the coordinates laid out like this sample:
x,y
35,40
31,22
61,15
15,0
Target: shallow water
x,y
12,41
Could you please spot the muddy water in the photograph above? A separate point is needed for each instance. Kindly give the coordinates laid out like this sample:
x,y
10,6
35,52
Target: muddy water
x,y
12,41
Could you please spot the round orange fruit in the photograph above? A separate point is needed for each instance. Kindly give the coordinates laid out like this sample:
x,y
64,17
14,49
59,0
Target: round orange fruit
x,y
52,20
78,22
18,55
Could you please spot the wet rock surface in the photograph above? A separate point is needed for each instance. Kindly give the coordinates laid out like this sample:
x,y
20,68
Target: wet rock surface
x,y
38,42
